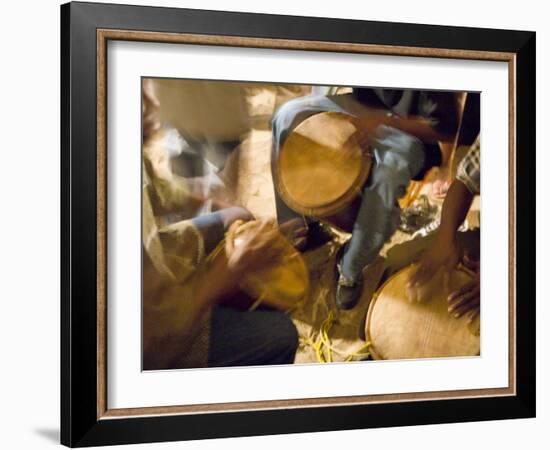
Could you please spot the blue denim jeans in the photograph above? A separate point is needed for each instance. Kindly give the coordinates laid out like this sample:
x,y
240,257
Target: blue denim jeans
x,y
398,157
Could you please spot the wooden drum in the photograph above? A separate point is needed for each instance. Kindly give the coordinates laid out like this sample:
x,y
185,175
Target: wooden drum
x,y
284,284
399,329
315,175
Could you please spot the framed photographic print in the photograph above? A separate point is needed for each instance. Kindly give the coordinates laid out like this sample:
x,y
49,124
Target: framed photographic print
x,y
277,224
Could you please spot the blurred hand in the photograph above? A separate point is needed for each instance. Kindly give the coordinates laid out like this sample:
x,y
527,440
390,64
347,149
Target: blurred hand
x,y
466,300
253,249
360,138
364,130
443,255
366,125
151,106
295,231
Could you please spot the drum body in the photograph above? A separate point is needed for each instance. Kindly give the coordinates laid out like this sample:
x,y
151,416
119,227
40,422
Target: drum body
x,y
320,171
283,284
399,329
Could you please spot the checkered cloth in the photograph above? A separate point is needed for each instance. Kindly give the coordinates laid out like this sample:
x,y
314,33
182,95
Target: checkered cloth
x,y
468,169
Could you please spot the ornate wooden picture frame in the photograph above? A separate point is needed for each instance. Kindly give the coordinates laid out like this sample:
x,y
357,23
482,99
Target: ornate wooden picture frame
x,y
86,418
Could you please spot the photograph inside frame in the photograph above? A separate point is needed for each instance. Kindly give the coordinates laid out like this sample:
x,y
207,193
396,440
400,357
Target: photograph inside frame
x,y
298,224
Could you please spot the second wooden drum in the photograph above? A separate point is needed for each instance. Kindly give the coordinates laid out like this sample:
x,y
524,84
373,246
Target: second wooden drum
x,y
399,329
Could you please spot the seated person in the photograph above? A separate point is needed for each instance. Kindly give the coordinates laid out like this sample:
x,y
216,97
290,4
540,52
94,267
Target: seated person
x,y
444,253
184,323
403,128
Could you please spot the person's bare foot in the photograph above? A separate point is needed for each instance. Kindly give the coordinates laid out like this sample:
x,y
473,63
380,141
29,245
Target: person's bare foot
x,y
440,181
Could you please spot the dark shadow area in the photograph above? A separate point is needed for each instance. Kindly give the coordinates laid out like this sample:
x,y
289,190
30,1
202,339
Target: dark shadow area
x,y
50,434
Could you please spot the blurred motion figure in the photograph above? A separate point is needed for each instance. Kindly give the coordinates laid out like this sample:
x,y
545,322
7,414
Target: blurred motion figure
x,y
184,323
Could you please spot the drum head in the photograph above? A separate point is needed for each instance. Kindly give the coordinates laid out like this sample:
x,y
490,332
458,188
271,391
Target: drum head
x,y
283,284
398,329
315,174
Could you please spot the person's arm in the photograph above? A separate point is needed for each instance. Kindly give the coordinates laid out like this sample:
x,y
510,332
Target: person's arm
x,y
419,127
436,119
455,209
151,105
176,311
444,252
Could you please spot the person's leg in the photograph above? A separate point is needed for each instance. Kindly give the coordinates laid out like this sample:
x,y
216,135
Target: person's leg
x,y
398,157
248,338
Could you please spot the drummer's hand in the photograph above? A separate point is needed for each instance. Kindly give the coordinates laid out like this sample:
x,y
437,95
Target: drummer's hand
x,y
368,124
365,129
442,255
360,138
151,105
256,249
466,300
295,231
